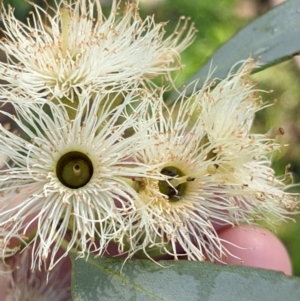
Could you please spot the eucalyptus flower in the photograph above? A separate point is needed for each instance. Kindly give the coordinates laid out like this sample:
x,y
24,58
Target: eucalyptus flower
x,y
206,169
242,158
73,47
68,177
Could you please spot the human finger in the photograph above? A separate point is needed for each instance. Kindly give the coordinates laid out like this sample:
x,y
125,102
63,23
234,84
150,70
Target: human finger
x,y
257,247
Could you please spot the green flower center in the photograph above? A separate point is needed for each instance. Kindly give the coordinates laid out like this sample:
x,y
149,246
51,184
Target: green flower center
x,y
175,194
74,169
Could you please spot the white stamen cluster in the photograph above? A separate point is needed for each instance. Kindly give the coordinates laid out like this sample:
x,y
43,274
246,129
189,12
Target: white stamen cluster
x,y
65,51
223,172
34,194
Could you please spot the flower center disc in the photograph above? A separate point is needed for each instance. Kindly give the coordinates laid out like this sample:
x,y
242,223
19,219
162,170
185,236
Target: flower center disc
x,y
74,169
174,193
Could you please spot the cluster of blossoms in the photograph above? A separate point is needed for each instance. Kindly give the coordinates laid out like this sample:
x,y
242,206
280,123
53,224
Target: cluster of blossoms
x,y
100,159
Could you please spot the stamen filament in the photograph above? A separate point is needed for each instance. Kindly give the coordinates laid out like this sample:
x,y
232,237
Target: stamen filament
x,y
274,134
65,21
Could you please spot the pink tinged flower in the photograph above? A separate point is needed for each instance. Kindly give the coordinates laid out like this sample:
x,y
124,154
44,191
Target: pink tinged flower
x,y
78,49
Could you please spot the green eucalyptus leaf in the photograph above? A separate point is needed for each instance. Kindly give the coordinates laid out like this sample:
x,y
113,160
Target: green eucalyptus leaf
x,y
142,280
271,38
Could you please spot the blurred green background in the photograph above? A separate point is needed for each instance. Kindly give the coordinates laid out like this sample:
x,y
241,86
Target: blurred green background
x,y
217,21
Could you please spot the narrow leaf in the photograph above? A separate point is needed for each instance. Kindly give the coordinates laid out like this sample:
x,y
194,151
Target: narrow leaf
x,y
104,279
271,38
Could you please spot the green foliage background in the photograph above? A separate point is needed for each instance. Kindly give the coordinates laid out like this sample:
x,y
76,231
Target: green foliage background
x,y
217,21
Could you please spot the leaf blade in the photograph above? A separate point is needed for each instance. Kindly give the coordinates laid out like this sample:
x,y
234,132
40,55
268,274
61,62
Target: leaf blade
x,y
100,279
272,38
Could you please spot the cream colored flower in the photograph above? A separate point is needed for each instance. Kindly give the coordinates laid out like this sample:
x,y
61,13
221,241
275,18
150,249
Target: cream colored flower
x,y
68,177
205,169
242,157
73,48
